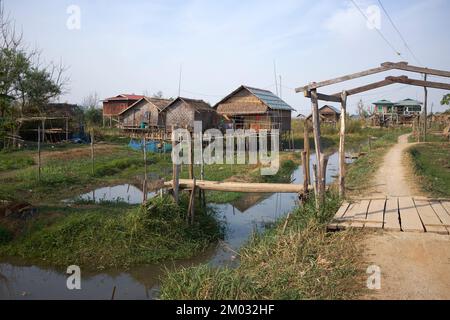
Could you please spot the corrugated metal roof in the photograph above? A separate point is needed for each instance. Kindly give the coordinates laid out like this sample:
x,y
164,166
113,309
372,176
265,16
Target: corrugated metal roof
x,y
271,100
408,102
383,103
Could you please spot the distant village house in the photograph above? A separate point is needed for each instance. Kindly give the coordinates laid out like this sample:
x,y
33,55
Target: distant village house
x,y
252,108
146,112
327,114
182,112
114,106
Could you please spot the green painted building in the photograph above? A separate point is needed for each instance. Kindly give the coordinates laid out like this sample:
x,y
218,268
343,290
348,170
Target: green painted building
x,y
402,107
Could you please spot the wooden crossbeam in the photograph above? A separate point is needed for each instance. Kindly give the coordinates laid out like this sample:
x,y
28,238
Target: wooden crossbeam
x,y
367,87
325,97
364,73
392,80
404,66
383,67
419,83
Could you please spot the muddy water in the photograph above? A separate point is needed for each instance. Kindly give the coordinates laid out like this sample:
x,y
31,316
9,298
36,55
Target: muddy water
x,y
251,213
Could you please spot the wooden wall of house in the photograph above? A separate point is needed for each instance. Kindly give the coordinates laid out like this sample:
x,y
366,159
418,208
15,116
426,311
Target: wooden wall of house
x,y
179,115
243,101
142,112
113,108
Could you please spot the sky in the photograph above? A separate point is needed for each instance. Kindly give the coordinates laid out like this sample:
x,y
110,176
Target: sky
x,y
140,46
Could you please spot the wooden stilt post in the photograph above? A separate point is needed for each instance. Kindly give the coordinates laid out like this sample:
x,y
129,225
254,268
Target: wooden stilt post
x,y
316,129
191,207
39,153
175,181
92,151
144,189
342,145
67,129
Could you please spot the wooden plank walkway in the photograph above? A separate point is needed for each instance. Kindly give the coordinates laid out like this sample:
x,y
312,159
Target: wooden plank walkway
x,y
407,214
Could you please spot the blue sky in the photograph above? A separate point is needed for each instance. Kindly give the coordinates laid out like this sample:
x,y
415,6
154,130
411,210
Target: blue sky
x,y
138,46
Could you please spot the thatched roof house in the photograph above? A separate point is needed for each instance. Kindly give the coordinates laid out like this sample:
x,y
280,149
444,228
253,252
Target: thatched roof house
x,y
182,112
146,111
252,108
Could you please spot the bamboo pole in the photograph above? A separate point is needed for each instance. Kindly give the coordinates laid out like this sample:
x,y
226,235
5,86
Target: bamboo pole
x,y
92,151
39,153
342,146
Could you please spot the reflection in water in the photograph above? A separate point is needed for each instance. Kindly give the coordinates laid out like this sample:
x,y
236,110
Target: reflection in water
x,y
19,281
122,193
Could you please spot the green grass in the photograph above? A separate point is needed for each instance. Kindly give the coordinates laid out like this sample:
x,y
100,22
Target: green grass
x,y
432,165
430,138
13,160
115,235
64,178
303,262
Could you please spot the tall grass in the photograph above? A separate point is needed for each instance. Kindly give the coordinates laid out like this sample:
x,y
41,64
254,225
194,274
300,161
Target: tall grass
x,y
302,261
98,239
432,165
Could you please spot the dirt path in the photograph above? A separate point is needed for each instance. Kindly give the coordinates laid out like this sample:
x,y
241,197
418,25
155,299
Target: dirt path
x,y
394,178
413,265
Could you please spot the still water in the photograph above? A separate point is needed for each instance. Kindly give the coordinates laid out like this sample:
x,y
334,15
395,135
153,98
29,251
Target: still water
x,y
20,280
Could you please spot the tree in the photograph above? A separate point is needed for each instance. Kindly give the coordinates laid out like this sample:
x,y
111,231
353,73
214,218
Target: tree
x,y
23,76
445,99
158,95
90,101
92,114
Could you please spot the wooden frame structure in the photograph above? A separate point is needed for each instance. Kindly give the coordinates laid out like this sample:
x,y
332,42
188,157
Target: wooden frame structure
x,y
310,91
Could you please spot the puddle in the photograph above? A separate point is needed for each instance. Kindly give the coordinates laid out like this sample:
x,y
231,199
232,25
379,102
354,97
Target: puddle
x,y
251,213
128,193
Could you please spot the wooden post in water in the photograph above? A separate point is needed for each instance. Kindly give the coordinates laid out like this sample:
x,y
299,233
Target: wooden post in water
x,y
342,145
316,129
144,188
307,150
92,151
39,153
305,176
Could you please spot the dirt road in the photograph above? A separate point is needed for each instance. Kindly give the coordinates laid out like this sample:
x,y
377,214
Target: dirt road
x,y
395,178
413,265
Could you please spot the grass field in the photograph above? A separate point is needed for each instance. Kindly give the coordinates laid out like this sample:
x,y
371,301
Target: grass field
x,y
302,261
114,235
432,165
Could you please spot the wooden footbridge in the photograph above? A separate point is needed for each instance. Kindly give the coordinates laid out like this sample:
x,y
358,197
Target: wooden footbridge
x,y
409,214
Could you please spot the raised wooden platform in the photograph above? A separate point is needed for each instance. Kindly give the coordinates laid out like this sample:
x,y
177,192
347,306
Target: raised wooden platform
x,y
408,214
